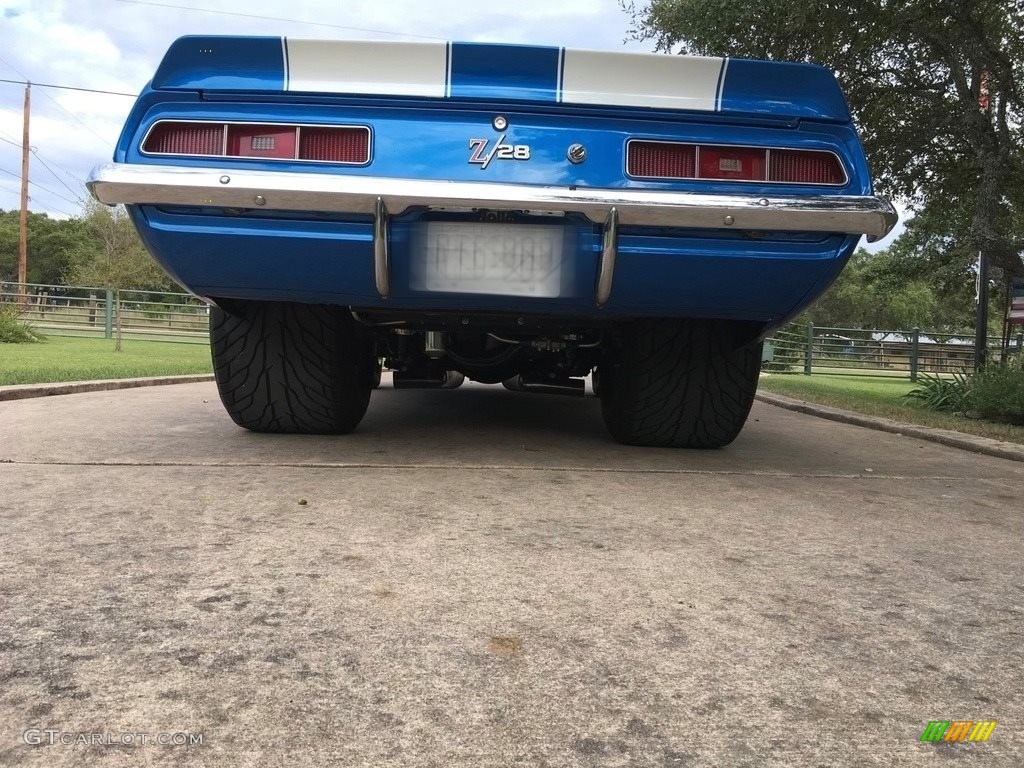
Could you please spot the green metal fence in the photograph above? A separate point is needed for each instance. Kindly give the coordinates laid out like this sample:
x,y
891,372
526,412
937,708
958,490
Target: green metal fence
x,y
810,349
62,310
74,310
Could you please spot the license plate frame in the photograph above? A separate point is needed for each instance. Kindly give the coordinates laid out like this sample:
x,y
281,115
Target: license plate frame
x,y
503,259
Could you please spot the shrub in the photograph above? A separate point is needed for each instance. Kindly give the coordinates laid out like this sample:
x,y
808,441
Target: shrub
x,y
940,394
13,330
997,393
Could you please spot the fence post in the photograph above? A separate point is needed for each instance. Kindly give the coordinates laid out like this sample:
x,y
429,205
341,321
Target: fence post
x,y
809,349
108,330
915,341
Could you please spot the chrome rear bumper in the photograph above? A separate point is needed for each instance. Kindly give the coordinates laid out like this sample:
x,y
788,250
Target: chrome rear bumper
x,y
385,197
274,190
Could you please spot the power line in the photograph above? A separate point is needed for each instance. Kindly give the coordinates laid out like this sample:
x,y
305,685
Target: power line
x,y
76,118
58,210
61,106
278,18
58,178
66,87
15,191
37,184
42,159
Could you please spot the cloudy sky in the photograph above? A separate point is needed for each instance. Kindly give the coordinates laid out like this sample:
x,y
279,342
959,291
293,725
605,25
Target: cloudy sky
x,y
115,45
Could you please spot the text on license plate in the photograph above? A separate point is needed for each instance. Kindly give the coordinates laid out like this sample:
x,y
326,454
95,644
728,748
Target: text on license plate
x,y
504,259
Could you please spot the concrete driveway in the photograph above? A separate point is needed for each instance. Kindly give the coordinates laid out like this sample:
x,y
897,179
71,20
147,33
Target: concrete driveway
x,y
481,578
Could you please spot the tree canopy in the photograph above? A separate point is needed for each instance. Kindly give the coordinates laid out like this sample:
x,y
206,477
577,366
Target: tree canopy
x,y
898,289
112,255
50,245
100,248
934,85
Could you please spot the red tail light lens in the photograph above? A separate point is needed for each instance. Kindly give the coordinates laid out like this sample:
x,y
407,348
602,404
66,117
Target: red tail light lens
x,y
186,139
740,163
663,160
329,144
335,145
261,141
671,160
798,167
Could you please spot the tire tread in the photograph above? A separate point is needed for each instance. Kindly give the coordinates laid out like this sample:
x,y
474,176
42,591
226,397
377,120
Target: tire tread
x,y
679,383
291,367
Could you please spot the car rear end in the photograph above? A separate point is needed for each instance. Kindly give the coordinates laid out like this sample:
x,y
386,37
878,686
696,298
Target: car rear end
x,y
514,213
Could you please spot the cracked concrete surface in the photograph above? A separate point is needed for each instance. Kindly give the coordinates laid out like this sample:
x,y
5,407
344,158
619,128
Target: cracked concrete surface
x,y
482,578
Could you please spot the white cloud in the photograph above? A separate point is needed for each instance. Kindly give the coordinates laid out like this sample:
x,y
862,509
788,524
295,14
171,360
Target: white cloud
x,y
114,45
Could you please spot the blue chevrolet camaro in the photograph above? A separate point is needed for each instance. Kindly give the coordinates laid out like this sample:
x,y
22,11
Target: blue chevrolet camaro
x,y
512,214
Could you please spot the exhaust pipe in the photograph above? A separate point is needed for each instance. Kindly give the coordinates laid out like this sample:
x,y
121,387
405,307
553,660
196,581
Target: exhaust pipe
x,y
446,380
566,386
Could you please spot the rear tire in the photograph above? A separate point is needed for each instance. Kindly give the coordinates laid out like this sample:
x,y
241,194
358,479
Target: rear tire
x,y
679,383
291,367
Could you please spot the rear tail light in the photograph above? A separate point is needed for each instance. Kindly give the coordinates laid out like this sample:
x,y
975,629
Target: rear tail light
x,y
273,141
349,145
185,139
334,145
672,160
739,163
799,167
662,160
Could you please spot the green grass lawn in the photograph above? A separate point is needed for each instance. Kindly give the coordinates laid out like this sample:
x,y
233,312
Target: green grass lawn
x,y
77,359
877,396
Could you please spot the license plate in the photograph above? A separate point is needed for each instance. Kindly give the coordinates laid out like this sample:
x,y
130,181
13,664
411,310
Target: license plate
x,y
503,259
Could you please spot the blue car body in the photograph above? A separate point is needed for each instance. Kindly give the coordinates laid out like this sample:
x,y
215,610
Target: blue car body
x,y
422,127
519,215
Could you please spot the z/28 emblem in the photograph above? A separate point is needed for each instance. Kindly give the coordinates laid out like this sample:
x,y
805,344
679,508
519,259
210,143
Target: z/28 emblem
x,y
500,151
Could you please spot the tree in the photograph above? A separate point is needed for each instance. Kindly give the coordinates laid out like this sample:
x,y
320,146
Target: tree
x,y
916,74
114,257
875,292
50,245
899,289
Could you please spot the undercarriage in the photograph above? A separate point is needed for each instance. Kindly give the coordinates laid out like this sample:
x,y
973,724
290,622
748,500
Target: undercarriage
x,y
287,367
529,354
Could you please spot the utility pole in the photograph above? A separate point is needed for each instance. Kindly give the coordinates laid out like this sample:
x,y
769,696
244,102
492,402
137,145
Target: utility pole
x,y
23,220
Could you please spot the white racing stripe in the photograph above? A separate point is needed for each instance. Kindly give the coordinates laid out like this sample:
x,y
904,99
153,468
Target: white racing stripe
x,y
367,67
426,69
641,80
